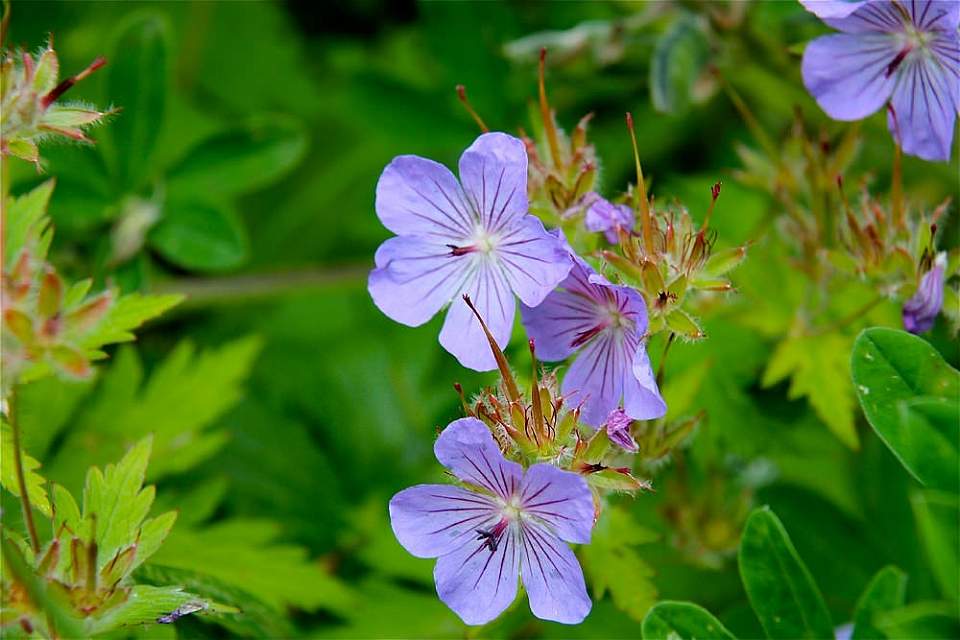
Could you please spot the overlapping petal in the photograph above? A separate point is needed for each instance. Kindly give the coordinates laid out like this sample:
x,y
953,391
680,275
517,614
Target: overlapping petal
x,y
532,260
431,520
847,74
552,577
641,396
462,335
559,500
595,379
414,269
605,216
493,171
470,452
477,583
833,8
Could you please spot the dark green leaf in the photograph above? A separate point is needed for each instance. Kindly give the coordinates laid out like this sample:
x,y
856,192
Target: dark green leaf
x,y
781,590
890,367
682,621
938,521
677,63
136,83
921,620
242,159
201,236
885,592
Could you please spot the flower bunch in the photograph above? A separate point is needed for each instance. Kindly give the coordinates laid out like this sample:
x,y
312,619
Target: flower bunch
x,y
533,466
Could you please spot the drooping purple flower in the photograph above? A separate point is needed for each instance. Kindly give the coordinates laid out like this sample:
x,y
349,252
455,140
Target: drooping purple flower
x,y
603,215
505,523
907,53
606,324
618,430
920,311
473,236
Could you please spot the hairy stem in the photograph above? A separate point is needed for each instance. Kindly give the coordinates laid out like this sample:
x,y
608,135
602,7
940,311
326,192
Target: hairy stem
x,y
21,477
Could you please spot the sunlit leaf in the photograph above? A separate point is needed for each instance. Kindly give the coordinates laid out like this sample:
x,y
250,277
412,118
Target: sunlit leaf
x,y
682,621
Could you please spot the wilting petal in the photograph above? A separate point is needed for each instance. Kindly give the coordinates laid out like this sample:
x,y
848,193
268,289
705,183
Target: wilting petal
x,y
925,104
553,577
420,197
467,448
605,216
414,278
493,171
920,311
641,397
560,499
595,379
431,520
462,335
832,8
533,261
477,583
847,74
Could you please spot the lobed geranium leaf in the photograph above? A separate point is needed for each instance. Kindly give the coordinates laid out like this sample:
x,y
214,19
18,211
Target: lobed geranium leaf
x,y
126,314
892,371
25,221
780,588
670,620
148,604
819,369
36,483
614,565
885,592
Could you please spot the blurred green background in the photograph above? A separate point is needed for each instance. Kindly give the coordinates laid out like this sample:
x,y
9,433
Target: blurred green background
x,y
290,410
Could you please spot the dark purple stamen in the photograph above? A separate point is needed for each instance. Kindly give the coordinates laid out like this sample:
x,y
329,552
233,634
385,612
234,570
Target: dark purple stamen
x,y
461,251
897,61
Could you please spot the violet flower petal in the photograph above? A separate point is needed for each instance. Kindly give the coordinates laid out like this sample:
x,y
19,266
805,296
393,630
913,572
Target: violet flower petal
x,y
462,334
493,171
559,499
925,103
532,260
467,448
641,396
477,583
920,311
847,74
603,215
552,577
431,520
618,430
832,8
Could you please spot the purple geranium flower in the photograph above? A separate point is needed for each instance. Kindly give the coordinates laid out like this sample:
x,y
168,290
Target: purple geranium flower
x,y
603,215
920,311
618,430
505,523
475,239
905,52
606,323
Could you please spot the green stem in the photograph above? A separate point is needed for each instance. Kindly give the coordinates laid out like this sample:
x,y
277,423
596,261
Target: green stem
x,y
21,477
663,359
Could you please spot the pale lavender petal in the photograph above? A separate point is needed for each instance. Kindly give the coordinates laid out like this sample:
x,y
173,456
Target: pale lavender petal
x,y
532,260
877,16
848,74
414,278
552,577
595,379
564,315
618,430
832,8
605,216
420,197
559,500
467,448
641,396
935,15
493,171
431,520
925,103
920,311
462,335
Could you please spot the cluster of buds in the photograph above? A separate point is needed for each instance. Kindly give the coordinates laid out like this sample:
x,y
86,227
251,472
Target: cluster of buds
x,y
46,323
539,426
29,112
670,257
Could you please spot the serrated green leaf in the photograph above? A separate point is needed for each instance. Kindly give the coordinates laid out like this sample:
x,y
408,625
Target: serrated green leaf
x,y
148,604
819,369
892,367
136,82
615,566
242,553
36,483
200,236
242,159
126,314
885,592
938,522
780,588
25,220
682,621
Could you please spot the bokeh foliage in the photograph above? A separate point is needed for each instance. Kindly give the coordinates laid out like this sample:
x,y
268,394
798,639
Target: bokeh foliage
x,y
286,410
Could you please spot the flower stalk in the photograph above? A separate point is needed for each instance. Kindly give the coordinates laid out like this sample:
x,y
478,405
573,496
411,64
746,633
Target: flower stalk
x,y
21,476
